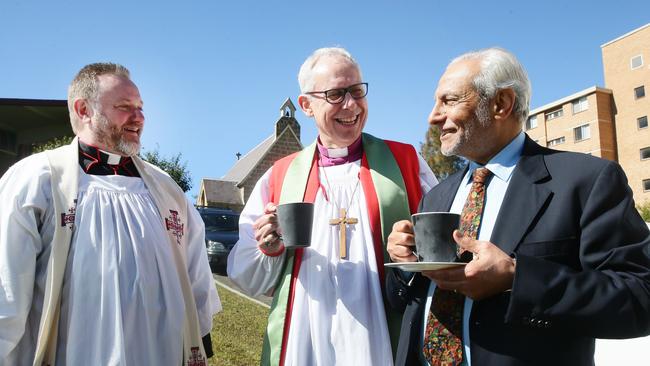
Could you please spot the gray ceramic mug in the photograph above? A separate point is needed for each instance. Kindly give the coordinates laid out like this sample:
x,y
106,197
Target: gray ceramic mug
x,y
295,220
434,240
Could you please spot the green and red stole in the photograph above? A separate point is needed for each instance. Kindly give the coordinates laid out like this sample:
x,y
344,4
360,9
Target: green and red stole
x,y
390,179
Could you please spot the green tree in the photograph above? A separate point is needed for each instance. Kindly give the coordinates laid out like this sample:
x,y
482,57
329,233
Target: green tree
x,y
51,144
172,166
644,210
442,166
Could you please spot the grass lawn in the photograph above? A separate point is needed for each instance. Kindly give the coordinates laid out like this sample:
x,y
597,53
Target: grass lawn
x,y
238,331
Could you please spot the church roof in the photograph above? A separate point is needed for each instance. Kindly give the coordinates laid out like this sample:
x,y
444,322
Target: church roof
x,y
246,163
233,188
221,191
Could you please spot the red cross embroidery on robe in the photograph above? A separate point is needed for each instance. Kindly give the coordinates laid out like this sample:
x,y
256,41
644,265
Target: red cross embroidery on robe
x,y
196,359
174,224
67,219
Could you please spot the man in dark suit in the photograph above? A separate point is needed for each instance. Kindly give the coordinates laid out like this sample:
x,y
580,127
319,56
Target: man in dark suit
x,y
561,256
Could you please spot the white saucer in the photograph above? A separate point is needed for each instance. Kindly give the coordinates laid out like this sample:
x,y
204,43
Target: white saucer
x,y
423,266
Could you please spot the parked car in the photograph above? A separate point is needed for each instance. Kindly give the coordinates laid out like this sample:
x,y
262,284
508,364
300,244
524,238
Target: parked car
x,y
221,234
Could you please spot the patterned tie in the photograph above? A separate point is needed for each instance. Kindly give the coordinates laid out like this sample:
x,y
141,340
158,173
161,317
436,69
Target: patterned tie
x,y
443,339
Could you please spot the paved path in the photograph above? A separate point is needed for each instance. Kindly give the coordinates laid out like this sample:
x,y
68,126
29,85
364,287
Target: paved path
x,y
226,283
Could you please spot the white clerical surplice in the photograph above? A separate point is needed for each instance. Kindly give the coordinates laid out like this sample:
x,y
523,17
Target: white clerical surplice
x,y
121,302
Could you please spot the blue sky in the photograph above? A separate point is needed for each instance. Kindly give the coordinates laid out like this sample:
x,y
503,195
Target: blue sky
x,y
213,74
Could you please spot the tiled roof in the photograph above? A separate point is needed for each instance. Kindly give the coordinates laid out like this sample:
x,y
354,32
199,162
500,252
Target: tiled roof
x,y
221,191
246,163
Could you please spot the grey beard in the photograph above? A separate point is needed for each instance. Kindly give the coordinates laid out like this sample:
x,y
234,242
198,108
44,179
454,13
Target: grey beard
x,y
481,119
128,148
112,138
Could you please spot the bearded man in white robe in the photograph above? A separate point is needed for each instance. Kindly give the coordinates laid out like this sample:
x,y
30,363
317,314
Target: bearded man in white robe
x,y
102,258
328,306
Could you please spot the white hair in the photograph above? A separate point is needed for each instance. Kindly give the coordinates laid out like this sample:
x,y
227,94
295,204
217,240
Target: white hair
x,y
500,69
305,75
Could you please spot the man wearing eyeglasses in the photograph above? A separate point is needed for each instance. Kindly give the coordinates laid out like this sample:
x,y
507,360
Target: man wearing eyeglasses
x,y
328,306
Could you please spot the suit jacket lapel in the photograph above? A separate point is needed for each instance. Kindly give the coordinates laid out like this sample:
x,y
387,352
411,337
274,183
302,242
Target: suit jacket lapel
x,y
525,198
444,193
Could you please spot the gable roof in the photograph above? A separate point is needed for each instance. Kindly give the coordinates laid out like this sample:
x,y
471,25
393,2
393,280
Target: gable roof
x,y
221,191
246,163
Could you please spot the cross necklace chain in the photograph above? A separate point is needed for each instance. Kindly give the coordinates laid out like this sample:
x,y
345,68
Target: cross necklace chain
x,y
343,220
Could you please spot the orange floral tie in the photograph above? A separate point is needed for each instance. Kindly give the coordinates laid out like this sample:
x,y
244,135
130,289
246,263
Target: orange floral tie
x,y
443,339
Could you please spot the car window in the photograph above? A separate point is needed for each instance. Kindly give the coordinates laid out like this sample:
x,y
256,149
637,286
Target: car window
x,y
220,222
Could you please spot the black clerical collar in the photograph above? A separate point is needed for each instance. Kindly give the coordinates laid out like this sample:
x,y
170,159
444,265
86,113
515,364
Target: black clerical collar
x,y
98,162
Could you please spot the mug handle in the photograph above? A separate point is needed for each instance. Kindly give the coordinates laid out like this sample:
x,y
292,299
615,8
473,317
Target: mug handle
x,y
417,256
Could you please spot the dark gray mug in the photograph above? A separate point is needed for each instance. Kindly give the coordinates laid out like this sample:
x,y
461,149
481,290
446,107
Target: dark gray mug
x,y
295,220
434,240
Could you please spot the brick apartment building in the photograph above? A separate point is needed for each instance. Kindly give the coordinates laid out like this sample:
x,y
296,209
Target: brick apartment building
x,y
610,122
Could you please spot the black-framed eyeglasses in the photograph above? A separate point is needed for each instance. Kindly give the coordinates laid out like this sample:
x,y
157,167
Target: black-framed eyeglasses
x,y
336,96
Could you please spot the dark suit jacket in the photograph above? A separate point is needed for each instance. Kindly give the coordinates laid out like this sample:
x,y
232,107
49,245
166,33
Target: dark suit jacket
x,y
583,265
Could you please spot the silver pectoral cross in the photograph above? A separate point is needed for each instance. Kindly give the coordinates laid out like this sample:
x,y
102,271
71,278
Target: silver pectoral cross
x,y
342,221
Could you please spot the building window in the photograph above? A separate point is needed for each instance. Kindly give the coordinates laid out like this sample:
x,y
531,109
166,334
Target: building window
x,y
642,122
531,123
646,185
557,141
554,114
580,105
645,153
639,92
636,62
581,133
